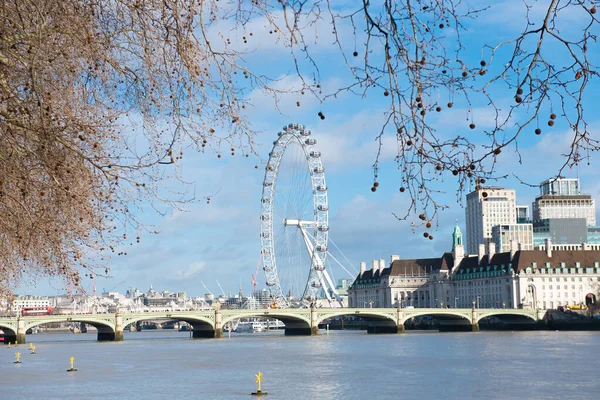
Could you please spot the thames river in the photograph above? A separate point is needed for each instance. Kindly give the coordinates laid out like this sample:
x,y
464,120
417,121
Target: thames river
x,y
167,364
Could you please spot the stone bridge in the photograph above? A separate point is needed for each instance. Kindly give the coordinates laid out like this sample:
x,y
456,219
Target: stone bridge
x,y
298,321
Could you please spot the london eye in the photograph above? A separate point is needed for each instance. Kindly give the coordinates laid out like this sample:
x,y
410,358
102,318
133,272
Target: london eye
x,y
294,220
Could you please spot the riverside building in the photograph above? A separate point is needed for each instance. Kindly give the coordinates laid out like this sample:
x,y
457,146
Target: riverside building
x,y
544,278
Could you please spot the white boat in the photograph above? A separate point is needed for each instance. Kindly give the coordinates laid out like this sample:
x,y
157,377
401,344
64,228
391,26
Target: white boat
x,y
250,327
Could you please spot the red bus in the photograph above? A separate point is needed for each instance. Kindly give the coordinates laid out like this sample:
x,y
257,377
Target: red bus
x,y
36,311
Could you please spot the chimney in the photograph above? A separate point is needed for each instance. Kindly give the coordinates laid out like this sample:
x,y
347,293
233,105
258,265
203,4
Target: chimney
x,y
381,266
394,257
375,266
363,268
548,247
491,250
481,252
513,248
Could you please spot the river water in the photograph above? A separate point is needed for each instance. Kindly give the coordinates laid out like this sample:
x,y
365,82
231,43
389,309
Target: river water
x,y
166,364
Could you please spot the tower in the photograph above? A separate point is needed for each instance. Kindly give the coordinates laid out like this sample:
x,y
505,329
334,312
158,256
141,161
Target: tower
x,y
458,249
456,237
487,207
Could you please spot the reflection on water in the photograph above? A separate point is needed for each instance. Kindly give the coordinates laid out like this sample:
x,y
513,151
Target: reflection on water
x,y
344,365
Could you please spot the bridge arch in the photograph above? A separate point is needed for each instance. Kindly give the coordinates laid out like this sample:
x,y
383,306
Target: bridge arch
x,y
296,321
10,332
378,320
532,315
96,322
203,326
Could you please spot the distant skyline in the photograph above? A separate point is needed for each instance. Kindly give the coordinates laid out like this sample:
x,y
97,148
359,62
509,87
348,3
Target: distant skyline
x,y
220,241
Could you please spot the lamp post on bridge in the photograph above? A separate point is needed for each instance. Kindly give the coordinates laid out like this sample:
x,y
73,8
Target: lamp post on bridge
x,y
473,304
478,297
436,303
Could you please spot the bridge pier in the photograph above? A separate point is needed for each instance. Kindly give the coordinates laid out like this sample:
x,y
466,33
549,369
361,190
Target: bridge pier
x,y
21,331
399,320
218,324
118,328
314,323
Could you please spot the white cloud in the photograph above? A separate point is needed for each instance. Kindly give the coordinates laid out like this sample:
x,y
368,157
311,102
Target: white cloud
x,y
193,270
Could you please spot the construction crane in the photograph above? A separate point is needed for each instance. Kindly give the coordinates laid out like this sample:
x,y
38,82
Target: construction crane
x,y
255,274
113,288
207,289
222,291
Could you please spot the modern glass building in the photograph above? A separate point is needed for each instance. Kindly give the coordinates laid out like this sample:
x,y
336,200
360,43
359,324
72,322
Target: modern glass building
x,y
562,198
560,231
522,214
522,234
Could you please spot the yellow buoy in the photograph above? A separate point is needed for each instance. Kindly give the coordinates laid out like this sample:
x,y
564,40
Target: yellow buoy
x,y
18,358
72,361
32,348
258,381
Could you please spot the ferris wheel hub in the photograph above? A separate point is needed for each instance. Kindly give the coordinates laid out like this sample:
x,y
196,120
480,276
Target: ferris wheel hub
x,y
298,222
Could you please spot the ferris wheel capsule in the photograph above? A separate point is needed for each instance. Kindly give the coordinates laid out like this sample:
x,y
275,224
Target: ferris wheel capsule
x,y
305,132
310,142
315,154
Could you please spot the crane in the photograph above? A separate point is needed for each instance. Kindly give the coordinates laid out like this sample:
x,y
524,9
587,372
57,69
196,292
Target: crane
x,y
255,274
113,288
207,289
222,291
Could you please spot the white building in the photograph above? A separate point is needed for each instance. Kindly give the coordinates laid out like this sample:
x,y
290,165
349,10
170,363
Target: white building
x,y
502,235
562,198
21,302
542,279
487,207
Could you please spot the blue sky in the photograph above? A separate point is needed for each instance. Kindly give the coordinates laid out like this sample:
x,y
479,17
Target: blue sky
x,y
220,241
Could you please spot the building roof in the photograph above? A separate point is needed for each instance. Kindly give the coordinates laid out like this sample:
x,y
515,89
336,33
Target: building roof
x,y
522,259
420,266
525,258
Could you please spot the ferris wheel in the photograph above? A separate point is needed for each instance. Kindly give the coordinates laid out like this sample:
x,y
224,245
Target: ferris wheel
x,y
294,220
